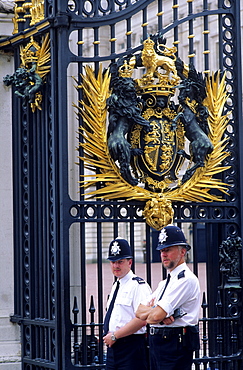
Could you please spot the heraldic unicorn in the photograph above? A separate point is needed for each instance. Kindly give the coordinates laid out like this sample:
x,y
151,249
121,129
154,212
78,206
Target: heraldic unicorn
x,y
142,142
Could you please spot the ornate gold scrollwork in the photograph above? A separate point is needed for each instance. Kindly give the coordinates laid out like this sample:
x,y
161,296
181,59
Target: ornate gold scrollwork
x,y
23,10
159,167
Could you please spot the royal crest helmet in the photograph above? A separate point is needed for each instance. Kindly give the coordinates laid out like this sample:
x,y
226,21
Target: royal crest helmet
x,y
171,236
119,249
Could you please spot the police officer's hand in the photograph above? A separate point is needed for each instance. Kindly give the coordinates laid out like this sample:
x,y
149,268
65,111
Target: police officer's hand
x,y
151,303
107,340
168,320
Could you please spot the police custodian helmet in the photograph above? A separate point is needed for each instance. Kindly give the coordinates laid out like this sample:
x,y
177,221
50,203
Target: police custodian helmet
x,y
170,236
119,249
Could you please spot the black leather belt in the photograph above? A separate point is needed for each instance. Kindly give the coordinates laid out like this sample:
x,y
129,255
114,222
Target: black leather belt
x,y
167,332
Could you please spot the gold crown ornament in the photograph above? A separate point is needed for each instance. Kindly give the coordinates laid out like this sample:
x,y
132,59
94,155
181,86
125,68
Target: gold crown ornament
x,y
153,81
125,70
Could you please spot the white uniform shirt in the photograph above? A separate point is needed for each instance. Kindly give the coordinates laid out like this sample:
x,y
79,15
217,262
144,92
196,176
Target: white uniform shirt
x,y
129,296
183,291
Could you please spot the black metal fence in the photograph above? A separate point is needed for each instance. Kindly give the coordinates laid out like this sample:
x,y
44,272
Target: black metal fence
x,y
220,339
220,335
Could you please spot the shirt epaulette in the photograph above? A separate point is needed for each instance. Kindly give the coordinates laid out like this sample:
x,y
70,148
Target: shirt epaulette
x,y
138,279
181,274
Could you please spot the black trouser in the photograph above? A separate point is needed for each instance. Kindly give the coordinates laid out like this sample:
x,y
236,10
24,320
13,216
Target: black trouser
x,y
128,353
168,351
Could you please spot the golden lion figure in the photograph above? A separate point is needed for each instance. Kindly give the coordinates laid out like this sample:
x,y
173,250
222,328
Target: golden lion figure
x,y
152,61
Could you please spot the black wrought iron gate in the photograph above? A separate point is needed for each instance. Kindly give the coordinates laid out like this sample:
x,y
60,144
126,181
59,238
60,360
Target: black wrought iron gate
x,y
57,233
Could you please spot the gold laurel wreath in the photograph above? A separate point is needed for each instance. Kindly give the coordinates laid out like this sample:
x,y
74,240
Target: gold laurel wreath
x,y
93,110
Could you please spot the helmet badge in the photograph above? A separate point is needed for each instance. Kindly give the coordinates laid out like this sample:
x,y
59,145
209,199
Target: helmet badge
x,y
163,236
115,248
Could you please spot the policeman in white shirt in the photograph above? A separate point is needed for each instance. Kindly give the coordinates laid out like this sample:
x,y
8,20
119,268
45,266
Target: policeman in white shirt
x,y
124,333
173,309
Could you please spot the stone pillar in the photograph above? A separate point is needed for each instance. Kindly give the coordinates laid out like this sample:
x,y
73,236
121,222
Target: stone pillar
x,y
10,348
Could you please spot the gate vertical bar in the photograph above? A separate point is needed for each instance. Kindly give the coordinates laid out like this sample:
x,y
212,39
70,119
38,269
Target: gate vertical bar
x,y
63,201
238,102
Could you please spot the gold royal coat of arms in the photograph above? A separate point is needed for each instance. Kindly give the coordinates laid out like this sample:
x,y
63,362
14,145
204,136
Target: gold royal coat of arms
x,y
159,138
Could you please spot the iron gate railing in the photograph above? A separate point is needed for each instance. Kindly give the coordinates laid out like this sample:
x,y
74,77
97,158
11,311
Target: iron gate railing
x,y
224,331
53,228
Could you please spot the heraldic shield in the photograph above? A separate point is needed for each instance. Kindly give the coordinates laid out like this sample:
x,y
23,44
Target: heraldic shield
x,y
165,139
159,163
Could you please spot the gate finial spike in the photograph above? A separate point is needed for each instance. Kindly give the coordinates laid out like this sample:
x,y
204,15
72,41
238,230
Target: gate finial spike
x,y
92,307
204,302
75,306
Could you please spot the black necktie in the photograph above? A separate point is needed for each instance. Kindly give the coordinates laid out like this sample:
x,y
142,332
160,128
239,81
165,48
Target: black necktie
x,y
167,282
108,313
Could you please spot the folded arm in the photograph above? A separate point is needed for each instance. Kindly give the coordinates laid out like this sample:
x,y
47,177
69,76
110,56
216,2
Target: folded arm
x,y
152,315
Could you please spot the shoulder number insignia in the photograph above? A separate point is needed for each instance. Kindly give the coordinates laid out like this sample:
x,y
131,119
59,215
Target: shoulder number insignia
x,y
181,274
138,279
